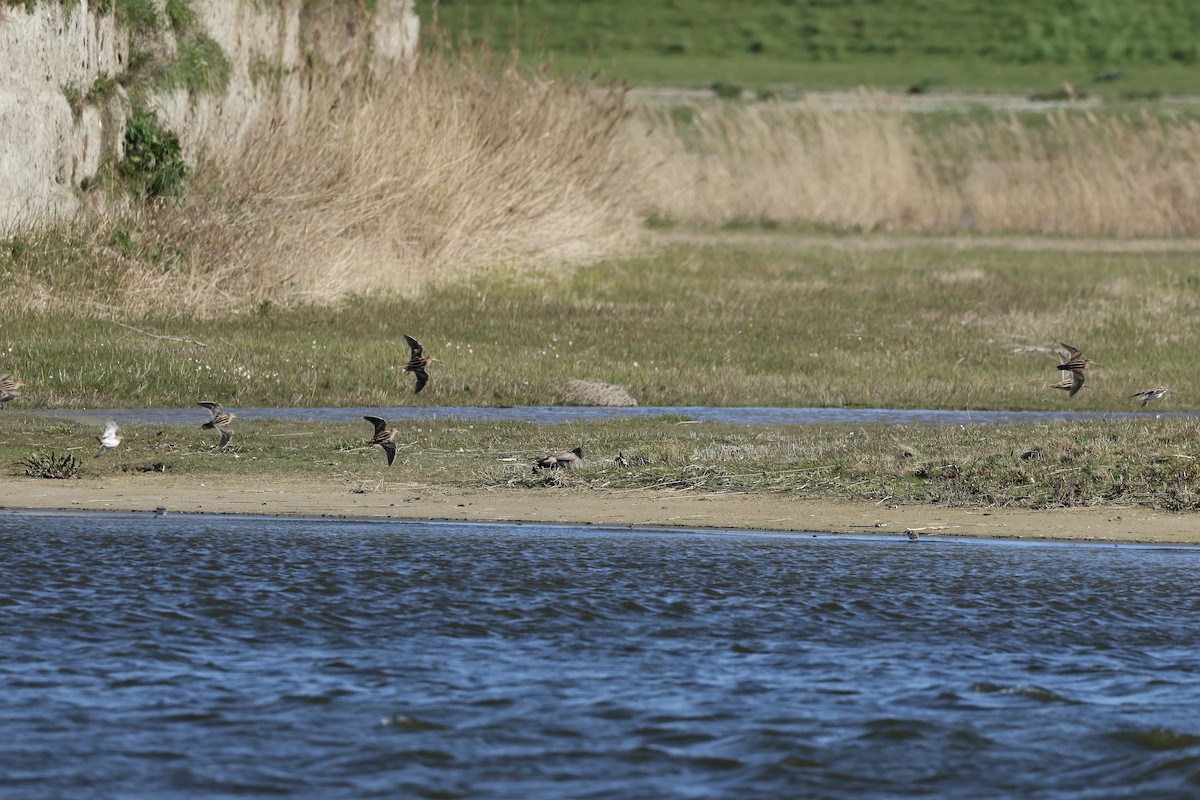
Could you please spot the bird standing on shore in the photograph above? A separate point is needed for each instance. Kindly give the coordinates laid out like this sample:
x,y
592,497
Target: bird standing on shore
x,y
384,436
109,439
10,387
417,363
220,421
567,459
1150,394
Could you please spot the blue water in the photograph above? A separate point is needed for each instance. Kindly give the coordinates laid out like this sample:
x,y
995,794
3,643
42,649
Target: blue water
x,y
193,656
555,414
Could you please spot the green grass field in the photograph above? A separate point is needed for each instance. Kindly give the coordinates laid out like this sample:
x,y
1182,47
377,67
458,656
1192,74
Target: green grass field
x,y
770,323
941,44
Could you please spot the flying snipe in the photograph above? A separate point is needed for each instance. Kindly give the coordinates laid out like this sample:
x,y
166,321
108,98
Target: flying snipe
x,y
109,439
384,436
10,387
220,421
1075,360
1072,384
417,363
1075,364
1150,394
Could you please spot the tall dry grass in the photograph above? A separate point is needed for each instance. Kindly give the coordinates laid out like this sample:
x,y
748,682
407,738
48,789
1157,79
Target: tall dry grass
x,y
368,183
396,183
874,166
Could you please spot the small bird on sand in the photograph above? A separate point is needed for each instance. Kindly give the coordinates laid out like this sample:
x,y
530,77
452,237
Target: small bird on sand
x,y
567,459
220,421
109,439
1075,359
384,436
417,363
10,387
1150,394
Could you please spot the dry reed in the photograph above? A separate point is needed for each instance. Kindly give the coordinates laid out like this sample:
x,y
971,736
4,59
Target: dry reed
x,y
872,166
386,183
391,185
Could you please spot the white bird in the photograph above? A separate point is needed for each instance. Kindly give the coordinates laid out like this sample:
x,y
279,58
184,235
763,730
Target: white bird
x,y
109,440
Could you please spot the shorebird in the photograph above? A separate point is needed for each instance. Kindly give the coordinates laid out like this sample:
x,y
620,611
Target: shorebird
x,y
10,387
621,460
417,363
1150,394
109,440
567,459
220,420
1072,384
384,436
1075,360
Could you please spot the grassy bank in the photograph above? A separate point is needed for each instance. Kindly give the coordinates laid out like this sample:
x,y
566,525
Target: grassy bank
x,y
768,323
954,44
1140,463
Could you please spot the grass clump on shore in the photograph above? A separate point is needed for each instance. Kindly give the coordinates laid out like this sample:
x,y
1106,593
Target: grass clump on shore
x,y
1139,463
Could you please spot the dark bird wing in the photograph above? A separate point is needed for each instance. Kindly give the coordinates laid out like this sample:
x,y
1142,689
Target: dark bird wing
x,y
1073,351
379,422
1076,381
415,346
226,435
213,408
390,449
422,378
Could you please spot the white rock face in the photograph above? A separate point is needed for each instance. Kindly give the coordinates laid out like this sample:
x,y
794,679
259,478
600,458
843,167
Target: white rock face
x,y
44,150
47,149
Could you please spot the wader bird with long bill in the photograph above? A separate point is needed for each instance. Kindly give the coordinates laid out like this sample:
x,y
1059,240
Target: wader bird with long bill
x,y
417,363
220,421
384,436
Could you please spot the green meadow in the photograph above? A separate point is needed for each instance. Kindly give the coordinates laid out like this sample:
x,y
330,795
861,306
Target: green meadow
x,y
769,322
1108,47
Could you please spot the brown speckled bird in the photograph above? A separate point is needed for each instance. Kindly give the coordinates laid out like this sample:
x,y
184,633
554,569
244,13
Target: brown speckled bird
x,y
417,363
384,436
1075,359
1072,384
220,421
10,387
1150,394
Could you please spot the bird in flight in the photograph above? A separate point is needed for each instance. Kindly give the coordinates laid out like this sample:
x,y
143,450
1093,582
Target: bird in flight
x,y
1150,394
220,421
417,363
1075,360
384,436
1072,384
109,439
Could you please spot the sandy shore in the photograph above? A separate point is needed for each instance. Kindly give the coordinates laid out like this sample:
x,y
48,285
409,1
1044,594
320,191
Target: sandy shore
x,y
632,508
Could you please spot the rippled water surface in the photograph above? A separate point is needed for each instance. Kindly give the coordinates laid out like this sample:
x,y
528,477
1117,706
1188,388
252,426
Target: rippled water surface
x,y
230,657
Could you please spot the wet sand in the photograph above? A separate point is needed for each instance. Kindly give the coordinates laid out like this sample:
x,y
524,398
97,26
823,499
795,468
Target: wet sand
x,y
578,506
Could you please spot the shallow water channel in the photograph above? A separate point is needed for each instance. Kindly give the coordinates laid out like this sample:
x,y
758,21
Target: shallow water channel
x,y
204,656
553,414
